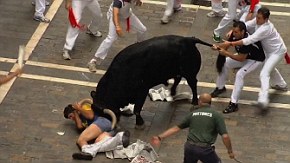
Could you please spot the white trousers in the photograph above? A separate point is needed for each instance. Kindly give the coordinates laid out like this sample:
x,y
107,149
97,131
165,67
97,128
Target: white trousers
x,y
39,8
246,67
216,5
170,5
269,72
107,144
135,24
78,7
233,5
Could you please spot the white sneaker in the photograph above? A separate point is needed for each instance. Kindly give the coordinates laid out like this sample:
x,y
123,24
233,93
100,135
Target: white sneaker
x,y
66,55
96,34
165,19
213,14
92,66
41,19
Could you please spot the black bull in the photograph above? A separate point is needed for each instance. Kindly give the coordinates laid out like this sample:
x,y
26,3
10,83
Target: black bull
x,y
141,66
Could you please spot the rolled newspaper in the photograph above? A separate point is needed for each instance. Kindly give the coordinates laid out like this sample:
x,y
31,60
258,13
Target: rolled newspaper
x,y
21,53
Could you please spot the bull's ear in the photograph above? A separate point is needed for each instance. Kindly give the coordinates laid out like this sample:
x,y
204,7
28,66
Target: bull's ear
x,y
93,94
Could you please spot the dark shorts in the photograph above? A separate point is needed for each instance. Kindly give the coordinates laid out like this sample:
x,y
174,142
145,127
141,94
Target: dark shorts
x,y
193,153
103,123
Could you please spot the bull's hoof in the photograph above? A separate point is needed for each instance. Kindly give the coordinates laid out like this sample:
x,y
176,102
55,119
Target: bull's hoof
x,y
140,127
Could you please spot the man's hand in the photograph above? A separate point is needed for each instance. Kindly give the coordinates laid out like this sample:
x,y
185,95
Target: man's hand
x,y
223,52
225,44
215,47
119,31
77,106
155,141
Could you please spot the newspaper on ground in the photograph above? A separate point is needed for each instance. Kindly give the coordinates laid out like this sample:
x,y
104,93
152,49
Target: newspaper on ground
x,y
160,94
136,153
145,156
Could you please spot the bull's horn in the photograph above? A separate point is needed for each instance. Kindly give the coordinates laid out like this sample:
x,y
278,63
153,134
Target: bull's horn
x,y
86,100
106,111
112,114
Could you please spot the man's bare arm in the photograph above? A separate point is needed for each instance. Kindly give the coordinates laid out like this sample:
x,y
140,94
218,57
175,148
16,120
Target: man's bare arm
x,y
10,76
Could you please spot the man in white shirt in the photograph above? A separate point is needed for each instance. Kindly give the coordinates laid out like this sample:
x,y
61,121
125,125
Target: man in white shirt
x,y
274,49
119,12
77,7
247,58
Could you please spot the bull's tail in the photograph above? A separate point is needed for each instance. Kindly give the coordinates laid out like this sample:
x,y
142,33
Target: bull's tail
x,y
196,40
220,61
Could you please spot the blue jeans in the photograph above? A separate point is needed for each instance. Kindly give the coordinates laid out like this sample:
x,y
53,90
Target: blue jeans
x,y
193,153
103,123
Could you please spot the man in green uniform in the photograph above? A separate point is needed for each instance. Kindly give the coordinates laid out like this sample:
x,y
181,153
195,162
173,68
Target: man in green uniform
x,y
204,125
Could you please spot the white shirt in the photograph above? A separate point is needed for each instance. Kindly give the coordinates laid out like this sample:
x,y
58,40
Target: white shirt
x,y
271,40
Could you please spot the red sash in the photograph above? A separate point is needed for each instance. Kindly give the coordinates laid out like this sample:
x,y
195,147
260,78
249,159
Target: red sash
x,y
287,58
128,24
73,21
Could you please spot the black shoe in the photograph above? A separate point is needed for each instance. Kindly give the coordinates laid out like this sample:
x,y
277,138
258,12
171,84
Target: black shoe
x,y
126,139
82,156
218,91
232,107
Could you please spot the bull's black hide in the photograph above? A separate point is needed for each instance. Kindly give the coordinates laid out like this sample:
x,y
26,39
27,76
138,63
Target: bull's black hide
x,y
141,66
